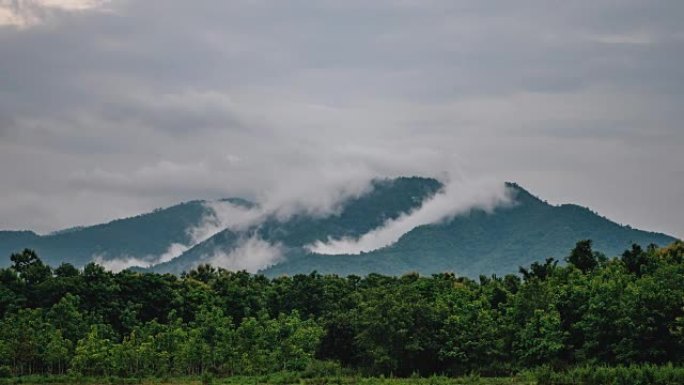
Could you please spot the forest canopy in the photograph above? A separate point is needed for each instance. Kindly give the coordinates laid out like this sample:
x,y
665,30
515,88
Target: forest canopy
x,y
586,310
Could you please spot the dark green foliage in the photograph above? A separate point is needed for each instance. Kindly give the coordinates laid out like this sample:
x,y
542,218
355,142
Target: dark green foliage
x,y
634,259
602,375
214,323
538,270
583,257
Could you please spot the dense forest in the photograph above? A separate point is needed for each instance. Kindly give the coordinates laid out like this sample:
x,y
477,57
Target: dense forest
x,y
586,310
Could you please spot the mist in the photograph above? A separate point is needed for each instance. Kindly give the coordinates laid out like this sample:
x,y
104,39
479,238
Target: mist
x,y
457,197
219,215
251,254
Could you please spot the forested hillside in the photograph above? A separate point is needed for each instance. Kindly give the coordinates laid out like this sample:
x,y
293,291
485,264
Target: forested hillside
x,y
386,199
479,242
472,243
595,310
144,236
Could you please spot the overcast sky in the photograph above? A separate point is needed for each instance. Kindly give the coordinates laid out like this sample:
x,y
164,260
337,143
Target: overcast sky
x,y
111,108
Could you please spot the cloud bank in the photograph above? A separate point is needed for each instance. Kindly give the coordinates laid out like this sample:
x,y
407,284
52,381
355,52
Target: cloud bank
x,y
457,197
112,109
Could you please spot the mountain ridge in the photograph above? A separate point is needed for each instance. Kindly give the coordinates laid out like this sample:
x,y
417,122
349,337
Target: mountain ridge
x,y
473,243
488,242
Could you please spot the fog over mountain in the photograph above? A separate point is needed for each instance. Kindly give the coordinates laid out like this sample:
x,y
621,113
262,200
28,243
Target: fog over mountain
x,y
113,108
394,226
457,197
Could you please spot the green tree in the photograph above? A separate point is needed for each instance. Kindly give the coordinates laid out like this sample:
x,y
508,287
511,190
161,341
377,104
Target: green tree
x,y
57,352
541,340
93,355
583,257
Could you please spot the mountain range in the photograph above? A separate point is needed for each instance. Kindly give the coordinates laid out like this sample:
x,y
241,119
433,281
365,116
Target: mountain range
x,y
477,241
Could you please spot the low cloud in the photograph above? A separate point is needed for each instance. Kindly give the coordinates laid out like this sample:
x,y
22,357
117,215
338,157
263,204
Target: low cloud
x,y
252,254
225,215
119,264
457,197
221,215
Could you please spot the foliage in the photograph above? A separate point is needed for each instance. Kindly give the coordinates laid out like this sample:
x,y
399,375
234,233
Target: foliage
x,y
624,313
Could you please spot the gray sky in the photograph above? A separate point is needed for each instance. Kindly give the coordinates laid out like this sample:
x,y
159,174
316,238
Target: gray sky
x,y
111,108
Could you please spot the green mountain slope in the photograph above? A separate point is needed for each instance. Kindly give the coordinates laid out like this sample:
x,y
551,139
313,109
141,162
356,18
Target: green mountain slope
x,y
471,244
387,199
142,236
482,243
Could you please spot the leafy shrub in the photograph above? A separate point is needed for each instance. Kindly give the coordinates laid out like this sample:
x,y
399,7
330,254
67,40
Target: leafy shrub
x,y
603,375
207,378
318,369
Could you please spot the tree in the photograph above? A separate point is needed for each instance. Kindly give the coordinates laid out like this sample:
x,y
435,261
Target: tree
x,y
93,355
541,340
539,271
25,334
65,317
635,258
66,270
583,257
30,268
57,352
474,339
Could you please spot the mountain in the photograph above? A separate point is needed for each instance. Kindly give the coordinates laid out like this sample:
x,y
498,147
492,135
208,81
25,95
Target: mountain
x,y
144,236
387,199
474,243
483,243
471,244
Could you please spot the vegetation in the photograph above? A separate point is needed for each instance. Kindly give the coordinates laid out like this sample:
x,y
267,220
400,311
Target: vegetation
x,y
594,319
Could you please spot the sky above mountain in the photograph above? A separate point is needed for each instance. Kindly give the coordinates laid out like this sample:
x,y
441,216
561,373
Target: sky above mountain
x,y
112,108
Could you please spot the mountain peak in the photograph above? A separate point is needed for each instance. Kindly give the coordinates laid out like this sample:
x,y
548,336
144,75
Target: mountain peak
x,y
521,195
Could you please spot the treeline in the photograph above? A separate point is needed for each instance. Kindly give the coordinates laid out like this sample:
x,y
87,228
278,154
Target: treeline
x,y
591,311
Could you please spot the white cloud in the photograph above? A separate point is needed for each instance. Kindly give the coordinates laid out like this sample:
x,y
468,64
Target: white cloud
x,y
71,5
26,13
221,215
458,197
118,264
174,251
251,254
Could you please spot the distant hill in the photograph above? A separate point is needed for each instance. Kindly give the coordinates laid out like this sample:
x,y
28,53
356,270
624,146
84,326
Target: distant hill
x,y
481,243
387,199
471,244
142,236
